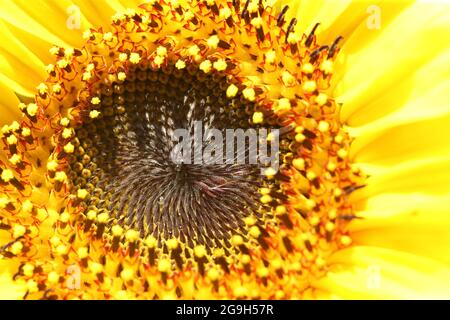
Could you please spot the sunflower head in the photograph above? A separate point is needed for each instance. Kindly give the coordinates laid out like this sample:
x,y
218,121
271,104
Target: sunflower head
x,y
87,179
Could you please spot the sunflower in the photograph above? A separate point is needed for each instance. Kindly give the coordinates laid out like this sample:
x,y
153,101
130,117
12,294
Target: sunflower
x,y
93,207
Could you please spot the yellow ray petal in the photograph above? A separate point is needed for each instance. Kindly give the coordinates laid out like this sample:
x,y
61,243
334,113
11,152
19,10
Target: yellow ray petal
x,y
414,223
21,70
428,176
425,96
30,17
8,105
377,273
427,138
413,38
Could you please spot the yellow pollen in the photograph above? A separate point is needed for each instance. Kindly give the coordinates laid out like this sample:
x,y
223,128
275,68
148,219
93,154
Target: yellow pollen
x,y
62,63
83,252
172,243
213,274
193,50
26,132
56,88
117,230
121,76
254,232
262,272
280,210
123,57
158,60
188,15
42,88
270,172
60,176
7,175
161,51
32,109
327,66
69,148
127,274
342,153
96,268
309,86
103,217
67,133
151,242
205,66
271,57
288,79
310,175
338,139
82,194
237,240
300,137
28,270
52,165
213,41
232,90
53,277
132,235
323,126
245,259
164,265
22,106
332,214
11,140
299,163
346,240
225,13
257,22
292,38
50,68
308,68
220,65
258,117
94,114
87,76
329,226
180,64
91,214
253,6
314,221
15,126
87,34
32,286
64,217
15,159
69,52
249,94
218,252
337,192
108,36
250,221
200,251
95,100
283,105
18,231
16,247
64,122
266,199
54,50
321,99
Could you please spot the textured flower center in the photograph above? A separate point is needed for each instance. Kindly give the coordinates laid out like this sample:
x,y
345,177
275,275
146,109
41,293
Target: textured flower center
x,y
123,158
87,179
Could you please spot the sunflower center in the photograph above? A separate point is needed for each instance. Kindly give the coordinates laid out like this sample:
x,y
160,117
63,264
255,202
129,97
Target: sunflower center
x,y
123,158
